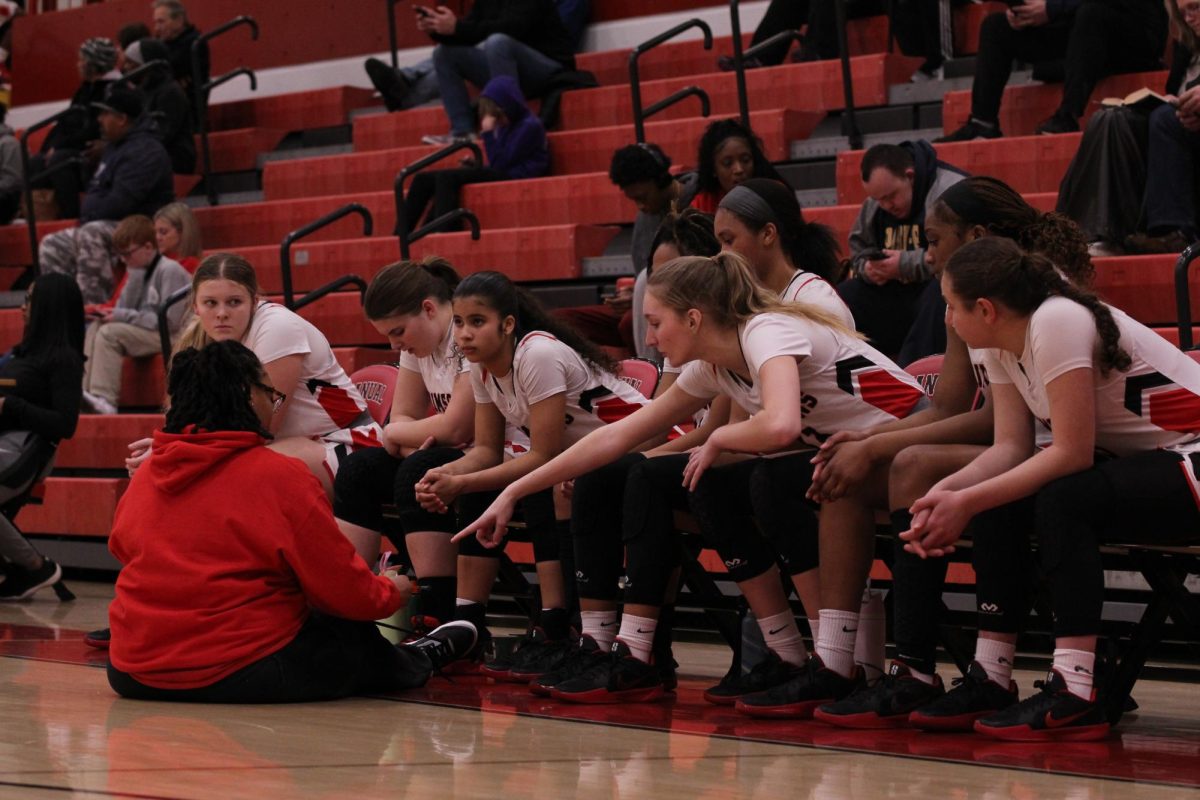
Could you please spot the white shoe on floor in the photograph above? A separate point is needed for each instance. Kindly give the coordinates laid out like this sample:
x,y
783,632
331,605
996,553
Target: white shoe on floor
x,y
98,404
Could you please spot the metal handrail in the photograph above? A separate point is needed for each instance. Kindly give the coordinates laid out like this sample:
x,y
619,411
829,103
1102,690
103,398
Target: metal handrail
x,y
403,226
202,89
435,226
849,117
333,286
1183,297
285,249
640,114
30,221
392,40
164,327
149,66
740,56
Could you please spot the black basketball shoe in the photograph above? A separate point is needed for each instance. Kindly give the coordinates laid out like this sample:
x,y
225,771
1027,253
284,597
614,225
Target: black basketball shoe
x,y
617,678
812,686
766,674
974,695
1053,714
887,704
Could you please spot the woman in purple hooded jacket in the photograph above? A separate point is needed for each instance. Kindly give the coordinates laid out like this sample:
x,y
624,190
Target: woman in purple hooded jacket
x,y
516,147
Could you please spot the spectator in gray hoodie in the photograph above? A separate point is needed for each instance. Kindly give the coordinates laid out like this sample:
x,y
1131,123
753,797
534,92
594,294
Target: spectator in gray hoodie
x,y
130,328
10,170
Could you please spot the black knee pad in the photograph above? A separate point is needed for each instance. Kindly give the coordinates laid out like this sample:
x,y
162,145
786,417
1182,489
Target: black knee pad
x,y
721,504
412,517
1000,554
597,508
1072,497
537,510
784,514
363,485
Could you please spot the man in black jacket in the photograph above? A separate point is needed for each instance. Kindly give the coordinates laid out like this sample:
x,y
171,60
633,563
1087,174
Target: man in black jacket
x,y
134,177
166,104
524,39
172,28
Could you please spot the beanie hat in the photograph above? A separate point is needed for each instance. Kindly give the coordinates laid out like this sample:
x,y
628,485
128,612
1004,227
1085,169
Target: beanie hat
x,y
99,54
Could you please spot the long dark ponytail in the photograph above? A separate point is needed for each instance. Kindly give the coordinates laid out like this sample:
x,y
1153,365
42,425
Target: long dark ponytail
x,y
498,292
996,268
810,246
210,389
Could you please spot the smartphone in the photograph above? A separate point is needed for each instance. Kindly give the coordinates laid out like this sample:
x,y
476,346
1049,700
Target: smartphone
x,y
422,11
873,254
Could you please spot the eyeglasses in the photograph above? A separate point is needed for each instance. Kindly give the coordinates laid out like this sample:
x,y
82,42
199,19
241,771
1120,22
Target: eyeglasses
x,y
278,398
125,254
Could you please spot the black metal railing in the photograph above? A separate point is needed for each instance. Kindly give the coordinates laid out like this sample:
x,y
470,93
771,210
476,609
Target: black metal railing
x,y
285,256
30,180
1183,297
164,326
202,90
404,229
849,117
393,44
740,56
640,114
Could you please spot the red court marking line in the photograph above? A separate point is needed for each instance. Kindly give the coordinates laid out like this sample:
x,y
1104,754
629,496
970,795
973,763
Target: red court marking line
x,y
1142,755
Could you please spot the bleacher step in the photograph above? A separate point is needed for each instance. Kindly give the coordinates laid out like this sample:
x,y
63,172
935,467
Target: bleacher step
x,y
830,146
226,198
293,153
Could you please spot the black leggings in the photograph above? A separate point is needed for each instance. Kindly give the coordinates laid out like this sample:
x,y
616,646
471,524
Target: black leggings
x,y
442,187
1139,499
329,658
537,509
366,482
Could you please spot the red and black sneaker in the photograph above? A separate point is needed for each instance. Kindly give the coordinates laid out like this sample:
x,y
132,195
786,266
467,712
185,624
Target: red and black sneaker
x,y
544,655
585,653
616,678
98,639
766,674
498,666
974,695
1053,714
811,686
887,704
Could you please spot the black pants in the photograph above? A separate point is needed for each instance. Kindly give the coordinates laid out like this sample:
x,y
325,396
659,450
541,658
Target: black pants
x,y
781,15
822,36
364,486
1170,198
329,658
537,509
442,187
886,313
9,203
1098,41
67,182
1140,499
921,31
927,335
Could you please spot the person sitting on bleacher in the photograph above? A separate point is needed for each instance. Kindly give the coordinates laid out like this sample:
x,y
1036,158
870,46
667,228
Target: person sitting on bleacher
x,y
130,328
729,153
236,585
39,407
643,174
1093,38
885,469
167,104
178,235
524,40
1137,164
134,177
172,28
1055,352
516,147
887,241
77,135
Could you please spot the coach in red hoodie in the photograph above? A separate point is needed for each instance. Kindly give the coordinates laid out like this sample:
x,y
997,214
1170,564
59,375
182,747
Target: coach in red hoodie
x,y
237,585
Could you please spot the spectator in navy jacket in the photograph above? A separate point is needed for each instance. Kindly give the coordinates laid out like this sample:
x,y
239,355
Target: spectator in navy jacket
x,y
516,147
134,177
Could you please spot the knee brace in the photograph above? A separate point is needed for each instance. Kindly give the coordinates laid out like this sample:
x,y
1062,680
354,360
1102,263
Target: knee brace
x,y
412,517
362,486
720,502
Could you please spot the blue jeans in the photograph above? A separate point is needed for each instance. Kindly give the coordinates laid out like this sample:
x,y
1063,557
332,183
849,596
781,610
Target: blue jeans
x,y
497,55
1170,200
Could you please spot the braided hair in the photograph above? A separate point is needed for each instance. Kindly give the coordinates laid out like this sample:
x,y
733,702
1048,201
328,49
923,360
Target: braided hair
x,y
992,203
498,292
210,389
996,268
688,231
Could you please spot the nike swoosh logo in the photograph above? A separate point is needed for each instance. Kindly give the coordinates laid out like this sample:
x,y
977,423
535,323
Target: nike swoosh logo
x,y
849,630
639,630
607,624
777,630
1083,670
1055,722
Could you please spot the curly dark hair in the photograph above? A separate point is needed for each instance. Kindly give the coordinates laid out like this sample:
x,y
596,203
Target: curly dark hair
x,y
690,231
714,136
210,389
1003,212
635,163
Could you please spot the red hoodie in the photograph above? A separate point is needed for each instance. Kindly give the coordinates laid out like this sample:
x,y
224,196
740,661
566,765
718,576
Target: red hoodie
x,y
226,545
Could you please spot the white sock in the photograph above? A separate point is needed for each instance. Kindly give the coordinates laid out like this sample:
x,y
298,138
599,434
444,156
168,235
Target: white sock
x,y
836,643
1076,668
783,637
601,626
996,658
638,635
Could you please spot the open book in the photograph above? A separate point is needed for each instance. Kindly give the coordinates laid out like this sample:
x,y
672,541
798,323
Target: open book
x,y
1144,99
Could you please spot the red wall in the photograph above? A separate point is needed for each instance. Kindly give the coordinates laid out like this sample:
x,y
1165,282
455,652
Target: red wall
x,y
296,32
